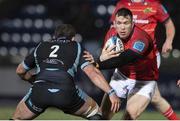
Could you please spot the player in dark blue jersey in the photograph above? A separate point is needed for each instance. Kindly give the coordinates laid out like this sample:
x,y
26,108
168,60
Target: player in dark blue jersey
x,y
57,61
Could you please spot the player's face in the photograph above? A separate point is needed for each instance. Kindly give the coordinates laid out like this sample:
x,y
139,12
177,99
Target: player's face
x,y
123,26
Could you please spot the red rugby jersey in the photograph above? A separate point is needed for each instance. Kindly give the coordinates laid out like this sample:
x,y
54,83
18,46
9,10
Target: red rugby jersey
x,y
145,68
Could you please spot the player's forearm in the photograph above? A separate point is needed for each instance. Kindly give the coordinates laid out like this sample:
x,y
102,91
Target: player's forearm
x,y
99,80
124,58
170,31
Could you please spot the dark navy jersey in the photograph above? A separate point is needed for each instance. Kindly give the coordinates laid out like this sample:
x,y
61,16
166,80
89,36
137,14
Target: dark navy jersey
x,y
56,60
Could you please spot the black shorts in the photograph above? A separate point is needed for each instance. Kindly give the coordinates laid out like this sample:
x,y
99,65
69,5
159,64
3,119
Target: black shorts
x,y
47,94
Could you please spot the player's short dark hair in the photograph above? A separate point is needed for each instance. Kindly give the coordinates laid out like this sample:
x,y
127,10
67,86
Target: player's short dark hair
x,y
65,30
124,12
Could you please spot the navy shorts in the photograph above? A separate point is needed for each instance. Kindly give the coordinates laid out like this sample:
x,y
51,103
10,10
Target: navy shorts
x,y
47,94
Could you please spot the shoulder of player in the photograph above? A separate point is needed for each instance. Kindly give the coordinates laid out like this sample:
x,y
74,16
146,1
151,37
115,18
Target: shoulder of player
x,y
140,34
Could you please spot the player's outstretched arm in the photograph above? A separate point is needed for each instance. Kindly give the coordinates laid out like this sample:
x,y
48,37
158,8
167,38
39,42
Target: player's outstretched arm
x,y
124,58
98,79
170,33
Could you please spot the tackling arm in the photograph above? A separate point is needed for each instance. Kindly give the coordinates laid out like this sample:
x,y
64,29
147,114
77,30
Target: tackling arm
x,y
98,79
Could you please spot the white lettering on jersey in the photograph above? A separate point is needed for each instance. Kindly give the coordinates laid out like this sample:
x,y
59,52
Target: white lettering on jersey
x,y
139,21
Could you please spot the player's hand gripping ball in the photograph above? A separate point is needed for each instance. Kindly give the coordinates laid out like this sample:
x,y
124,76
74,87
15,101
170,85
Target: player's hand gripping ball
x,y
113,48
115,41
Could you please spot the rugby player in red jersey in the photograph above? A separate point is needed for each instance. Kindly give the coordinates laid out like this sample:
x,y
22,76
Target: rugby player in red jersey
x,y
146,15
136,74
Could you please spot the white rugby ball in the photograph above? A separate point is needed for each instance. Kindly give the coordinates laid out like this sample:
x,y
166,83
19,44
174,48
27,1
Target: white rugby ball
x,y
115,41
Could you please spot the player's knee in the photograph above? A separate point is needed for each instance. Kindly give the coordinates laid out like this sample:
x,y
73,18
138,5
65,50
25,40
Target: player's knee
x,y
156,99
95,117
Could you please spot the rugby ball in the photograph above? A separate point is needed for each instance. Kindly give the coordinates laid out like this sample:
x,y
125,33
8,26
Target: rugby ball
x,y
115,41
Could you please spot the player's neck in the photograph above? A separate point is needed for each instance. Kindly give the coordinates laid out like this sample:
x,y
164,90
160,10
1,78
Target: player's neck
x,y
137,1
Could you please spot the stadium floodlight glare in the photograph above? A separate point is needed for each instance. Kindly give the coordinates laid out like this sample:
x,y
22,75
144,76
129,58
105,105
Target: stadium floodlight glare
x,y
13,51
17,23
176,53
23,51
36,37
3,51
28,23
40,9
30,9
16,37
46,36
26,37
38,23
110,9
48,23
5,37
101,9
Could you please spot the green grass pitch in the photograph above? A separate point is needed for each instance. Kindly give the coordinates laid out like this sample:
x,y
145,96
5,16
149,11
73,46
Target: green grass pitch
x,y
55,114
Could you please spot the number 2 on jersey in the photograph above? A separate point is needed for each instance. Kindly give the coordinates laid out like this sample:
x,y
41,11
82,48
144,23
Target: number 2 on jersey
x,y
53,53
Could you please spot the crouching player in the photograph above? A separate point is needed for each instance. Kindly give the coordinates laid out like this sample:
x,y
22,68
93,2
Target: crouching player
x,y
57,61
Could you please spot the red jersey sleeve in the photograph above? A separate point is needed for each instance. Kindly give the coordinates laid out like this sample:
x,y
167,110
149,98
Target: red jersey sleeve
x,y
139,46
162,13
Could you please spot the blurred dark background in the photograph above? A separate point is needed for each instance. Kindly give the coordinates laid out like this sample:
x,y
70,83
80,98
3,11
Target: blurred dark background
x,y
24,23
